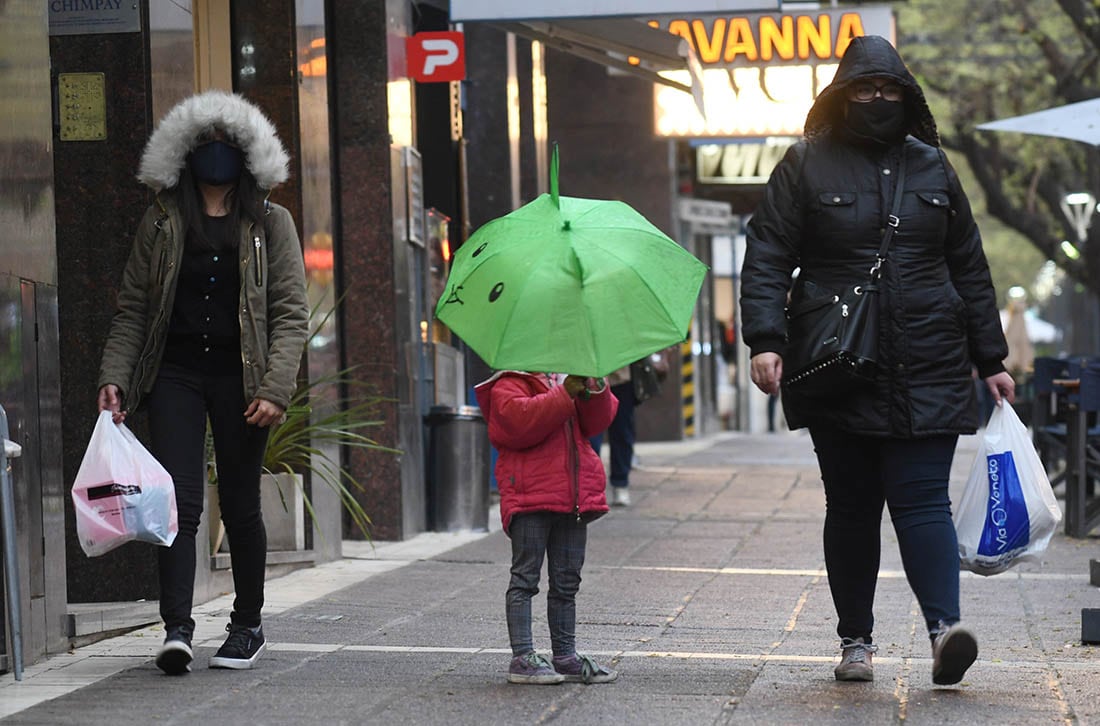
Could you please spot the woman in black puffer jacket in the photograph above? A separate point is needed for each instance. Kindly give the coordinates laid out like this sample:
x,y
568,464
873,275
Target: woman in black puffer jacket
x,y
824,213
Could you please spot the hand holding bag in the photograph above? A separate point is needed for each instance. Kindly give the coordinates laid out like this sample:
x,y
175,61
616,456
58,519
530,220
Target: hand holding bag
x,y
121,492
1008,512
647,375
832,340
645,379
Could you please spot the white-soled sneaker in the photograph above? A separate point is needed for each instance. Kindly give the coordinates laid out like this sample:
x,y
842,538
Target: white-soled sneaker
x,y
241,649
174,657
583,669
620,497
533,669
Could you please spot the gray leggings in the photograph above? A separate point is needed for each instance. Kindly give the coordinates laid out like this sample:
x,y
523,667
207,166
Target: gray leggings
x,y
562,539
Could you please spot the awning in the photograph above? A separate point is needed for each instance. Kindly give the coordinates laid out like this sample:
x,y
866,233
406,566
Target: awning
x,y
509,10
611,41
1078,121
607,31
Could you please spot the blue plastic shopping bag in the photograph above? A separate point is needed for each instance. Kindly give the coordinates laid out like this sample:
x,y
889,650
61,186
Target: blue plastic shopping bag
x,y
1008,512
1007,524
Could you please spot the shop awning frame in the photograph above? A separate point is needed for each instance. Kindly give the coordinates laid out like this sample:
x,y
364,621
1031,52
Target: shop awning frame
x,y
611,41
542,10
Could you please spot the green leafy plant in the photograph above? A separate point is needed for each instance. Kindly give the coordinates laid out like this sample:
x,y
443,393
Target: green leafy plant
x,y
323,415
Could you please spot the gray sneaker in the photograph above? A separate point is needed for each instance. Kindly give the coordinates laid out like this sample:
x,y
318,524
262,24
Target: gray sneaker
x,y
954,649
855,665
533,669
583,669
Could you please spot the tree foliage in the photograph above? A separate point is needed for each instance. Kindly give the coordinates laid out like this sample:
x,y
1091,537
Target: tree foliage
x,y
982,60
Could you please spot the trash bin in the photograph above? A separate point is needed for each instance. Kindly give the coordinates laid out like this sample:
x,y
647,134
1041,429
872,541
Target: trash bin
x,y
458,469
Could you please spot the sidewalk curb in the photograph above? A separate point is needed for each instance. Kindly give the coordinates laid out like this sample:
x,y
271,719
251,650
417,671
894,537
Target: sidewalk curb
x,y
63,673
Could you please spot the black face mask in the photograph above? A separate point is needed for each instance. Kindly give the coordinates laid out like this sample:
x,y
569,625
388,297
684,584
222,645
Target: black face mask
x,y
877,120
216,163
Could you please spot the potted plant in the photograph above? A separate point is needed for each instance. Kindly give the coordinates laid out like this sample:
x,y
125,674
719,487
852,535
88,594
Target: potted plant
x,y
323,415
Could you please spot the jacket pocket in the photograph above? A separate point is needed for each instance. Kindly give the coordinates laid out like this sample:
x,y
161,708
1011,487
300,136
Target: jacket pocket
x,y
937,199
836,199
834,210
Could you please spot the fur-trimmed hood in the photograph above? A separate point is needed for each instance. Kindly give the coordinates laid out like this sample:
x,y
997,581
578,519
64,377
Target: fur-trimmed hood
x,y
871,55
181,128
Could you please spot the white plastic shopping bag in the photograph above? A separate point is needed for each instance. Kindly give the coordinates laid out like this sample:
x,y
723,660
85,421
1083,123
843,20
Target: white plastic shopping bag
x,y
1008,512
121,492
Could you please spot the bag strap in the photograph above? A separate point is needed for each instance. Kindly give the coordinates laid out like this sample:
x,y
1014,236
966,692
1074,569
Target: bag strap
x,y
892,221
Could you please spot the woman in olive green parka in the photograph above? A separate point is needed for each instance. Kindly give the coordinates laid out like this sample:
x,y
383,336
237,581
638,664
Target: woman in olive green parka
x,y
211,323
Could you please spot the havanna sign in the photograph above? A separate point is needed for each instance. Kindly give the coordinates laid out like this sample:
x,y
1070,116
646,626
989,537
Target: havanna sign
x,y
759,73
764,39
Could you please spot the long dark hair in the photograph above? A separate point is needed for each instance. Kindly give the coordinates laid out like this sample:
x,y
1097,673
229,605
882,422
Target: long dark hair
x,y
245,200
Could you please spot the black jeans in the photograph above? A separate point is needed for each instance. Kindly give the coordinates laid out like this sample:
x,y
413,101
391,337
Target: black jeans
x,y
910,475
179,404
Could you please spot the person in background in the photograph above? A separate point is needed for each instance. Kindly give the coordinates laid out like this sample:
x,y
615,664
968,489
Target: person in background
x,y
551,486
1021,353
620,434
211,324
824,210
620,437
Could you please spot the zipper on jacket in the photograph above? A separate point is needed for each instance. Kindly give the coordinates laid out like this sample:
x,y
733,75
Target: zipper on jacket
x,y
242,303
258,249
163,268
257,245
575,465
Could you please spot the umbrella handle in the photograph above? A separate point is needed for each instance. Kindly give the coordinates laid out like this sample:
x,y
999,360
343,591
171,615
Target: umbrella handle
x,y
554,176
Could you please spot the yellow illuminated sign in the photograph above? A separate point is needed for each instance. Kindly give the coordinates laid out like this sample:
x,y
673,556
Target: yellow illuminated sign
x,y
769,38
742,101
760,72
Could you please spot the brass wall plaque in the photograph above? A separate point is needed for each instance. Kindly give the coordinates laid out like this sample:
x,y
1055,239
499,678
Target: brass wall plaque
x,y
82,106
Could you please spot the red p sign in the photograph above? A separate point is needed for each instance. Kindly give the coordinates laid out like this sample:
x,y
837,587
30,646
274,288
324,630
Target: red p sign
x,y
436,57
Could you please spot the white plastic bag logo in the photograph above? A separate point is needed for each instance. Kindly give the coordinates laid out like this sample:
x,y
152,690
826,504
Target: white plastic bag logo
x,y
1008,512
121,492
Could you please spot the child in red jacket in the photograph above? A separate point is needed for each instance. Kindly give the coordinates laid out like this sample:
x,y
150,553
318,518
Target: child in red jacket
x,y
551,485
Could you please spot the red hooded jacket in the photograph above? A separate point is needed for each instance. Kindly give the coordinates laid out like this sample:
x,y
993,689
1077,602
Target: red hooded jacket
x,y
544,460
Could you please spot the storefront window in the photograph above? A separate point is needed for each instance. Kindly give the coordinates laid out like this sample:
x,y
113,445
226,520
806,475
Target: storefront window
x,y
171,54
438,246
324,352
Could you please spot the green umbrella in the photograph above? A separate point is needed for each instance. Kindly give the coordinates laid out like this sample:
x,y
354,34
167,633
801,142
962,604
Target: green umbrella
x,y
567,285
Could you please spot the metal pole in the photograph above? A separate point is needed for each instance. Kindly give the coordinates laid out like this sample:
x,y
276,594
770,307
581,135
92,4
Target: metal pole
x,y
11,563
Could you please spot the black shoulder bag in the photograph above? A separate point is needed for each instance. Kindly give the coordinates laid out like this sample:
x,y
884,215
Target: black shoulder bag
x,y
832,341
646,379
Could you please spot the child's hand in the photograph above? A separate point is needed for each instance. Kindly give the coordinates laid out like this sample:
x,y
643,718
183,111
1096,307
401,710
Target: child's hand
x,y
574,385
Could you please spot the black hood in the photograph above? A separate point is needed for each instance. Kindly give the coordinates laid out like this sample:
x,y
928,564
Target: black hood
x,y
871,55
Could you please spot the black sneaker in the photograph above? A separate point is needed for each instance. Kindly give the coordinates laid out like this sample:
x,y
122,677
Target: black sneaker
x,y
241,649
175,655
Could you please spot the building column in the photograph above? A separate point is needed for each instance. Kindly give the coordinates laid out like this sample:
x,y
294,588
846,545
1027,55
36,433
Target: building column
x,y
98,206
370,263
